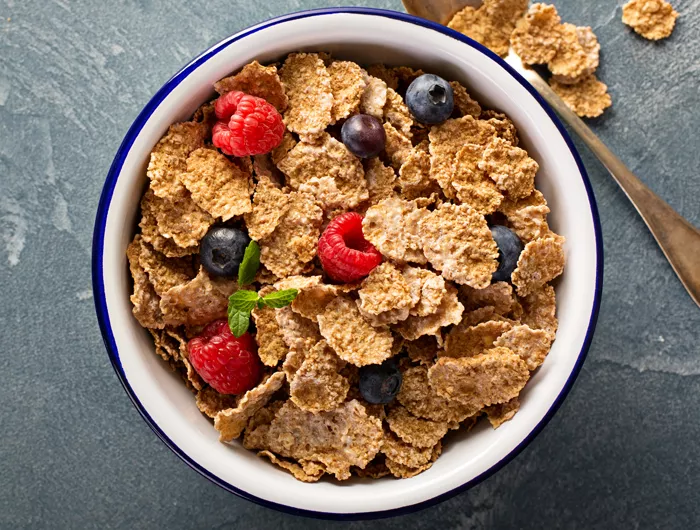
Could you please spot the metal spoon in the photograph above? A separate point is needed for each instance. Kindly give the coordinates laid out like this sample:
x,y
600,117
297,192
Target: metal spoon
x,y
678,239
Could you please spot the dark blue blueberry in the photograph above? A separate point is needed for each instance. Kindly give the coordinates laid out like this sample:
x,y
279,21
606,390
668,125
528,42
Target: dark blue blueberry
x,y
509,249
430,99
222,249
363,135
379,383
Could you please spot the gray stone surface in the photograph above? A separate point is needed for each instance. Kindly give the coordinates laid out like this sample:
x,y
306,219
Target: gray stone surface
x,y
622,452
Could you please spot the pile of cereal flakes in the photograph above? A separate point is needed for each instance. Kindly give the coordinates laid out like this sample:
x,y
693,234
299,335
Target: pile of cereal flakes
x,y
465,346
571,53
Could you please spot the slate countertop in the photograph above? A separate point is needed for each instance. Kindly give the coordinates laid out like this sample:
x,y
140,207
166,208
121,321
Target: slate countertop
x,y
623,450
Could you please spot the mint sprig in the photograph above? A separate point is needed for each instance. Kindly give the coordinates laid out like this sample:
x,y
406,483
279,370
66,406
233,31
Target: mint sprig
x,y
249,265
241,305
280,299
238,321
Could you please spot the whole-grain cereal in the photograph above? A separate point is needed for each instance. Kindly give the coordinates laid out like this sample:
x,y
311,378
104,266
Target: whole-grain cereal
x,y
272,347
415,431
464,344
169,158
498,295
426,290
423,350
419,397
503,412
447,139
309,472
327,170
449,312
256,80
469,341
527,217
374,97
392,226
347,85
353,338
588,97
398,147
541,261
578,55
490,24
532,345
292,244
510,168
217,185
385,289
231,422
280,152
457,241
493,377
537,36
163,272
505,128
396,113
307,84
470,182
395,449
151,234
539,309
317,385
145,300
197,302
210,402
414,174
463,101
338,440
269,205
180,220
298,333
381,180
652,19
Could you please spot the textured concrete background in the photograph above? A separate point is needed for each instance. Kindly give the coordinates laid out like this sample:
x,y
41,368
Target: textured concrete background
x,y
622,452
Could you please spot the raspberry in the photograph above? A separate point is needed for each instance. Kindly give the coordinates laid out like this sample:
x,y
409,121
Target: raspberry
x,y
247,125
344,252
230,365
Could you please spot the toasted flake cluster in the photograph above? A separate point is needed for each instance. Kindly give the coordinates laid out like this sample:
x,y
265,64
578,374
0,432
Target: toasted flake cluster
x,y
490,24
572,54
307,84
392,226
457,241
536,37
588,97
465,345
652,19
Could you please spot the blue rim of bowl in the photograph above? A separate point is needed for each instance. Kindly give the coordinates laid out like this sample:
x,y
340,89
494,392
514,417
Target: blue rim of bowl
x,y
98,248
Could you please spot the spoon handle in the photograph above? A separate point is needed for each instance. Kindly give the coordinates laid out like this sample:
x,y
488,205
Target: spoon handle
x,y
678,239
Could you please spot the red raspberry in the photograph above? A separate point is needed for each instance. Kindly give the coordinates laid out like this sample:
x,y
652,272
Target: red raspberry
x,y
344,252
247,125
230,365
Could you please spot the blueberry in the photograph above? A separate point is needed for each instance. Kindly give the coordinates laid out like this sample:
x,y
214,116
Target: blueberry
x,y
222,249
363,135
509,249
379,383
430,99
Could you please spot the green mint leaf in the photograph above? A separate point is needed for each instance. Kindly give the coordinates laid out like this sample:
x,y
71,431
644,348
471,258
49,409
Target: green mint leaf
x,y
238,321
280,298
250,264
243,301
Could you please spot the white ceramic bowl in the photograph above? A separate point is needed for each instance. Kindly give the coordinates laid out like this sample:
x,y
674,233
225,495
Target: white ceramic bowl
x,y
366,36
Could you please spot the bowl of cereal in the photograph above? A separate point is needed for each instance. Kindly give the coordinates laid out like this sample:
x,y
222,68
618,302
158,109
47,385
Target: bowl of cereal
x,y
371,311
